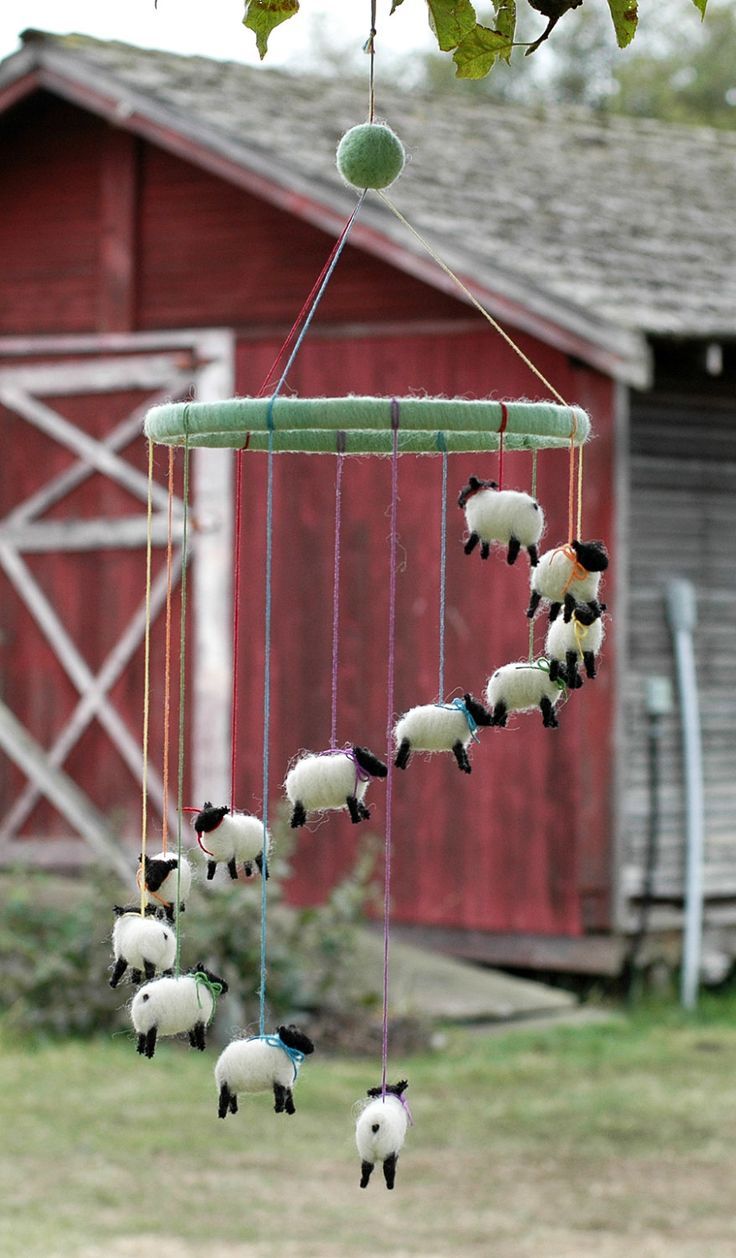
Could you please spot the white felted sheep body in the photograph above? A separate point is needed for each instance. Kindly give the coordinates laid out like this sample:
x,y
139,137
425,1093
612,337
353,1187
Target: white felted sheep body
x,y
521,687
433,727
332,780
572,642
171,1006
231,838
161,879
267,1063
380,1132
504,516
568,575
146,944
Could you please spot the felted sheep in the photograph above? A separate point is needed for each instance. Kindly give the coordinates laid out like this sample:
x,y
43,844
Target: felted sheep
x,y
440,727
161,879
263,1063
146,944
380,1131
332,780
568,575
521,687
231,837
506,516
170,1006
574,641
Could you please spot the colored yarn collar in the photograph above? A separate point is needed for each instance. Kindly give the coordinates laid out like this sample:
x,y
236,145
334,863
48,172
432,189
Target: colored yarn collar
x,y
543,664
402,1099
295,1055
214,989
460,706
361,774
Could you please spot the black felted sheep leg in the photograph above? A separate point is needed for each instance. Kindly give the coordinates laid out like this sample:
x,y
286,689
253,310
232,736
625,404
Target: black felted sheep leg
x,y
389,1169
136,977
461,756
289,1102
298,816
554,670
224,1101
259,863
365,813
211,867
366,1170
574,680
512,554
499,714
554,611
533,554
233,1102
569,608
279,1098
534,601
232,869
589,662
403,754
248,868
197,1036
149,969
142,1044
150,1042
485,550
471,543
353,809
121,966
549,720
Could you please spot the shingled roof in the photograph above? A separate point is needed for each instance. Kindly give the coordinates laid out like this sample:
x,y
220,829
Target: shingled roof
x,y
608,228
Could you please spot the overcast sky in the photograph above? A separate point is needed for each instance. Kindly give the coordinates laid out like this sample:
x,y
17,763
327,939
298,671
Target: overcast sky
x,y
213,28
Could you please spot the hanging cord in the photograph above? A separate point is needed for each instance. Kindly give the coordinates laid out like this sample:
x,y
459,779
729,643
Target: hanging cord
x,y
182,689
306,312
390,686
336,586
146,676
482,310
442,445
579,530
269,595
167,650
370,48
533,494
571,482
501,441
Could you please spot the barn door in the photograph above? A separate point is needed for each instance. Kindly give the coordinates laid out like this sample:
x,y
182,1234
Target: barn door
x,y
73,501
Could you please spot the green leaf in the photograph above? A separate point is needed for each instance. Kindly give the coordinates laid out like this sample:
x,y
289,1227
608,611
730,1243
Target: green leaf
x,y
625,19
451,21
261,16
394,5
474,57
506,23
700,5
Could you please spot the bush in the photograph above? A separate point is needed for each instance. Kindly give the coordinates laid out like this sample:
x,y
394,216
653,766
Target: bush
x,y
55,953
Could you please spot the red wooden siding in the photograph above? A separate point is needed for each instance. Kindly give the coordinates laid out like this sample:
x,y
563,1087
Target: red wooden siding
x,y
524,844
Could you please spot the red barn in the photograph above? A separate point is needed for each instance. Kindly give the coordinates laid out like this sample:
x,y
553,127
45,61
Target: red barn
x,y
162,220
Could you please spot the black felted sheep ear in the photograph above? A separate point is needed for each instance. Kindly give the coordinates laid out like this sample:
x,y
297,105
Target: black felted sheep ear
x,y
369,762
292,1037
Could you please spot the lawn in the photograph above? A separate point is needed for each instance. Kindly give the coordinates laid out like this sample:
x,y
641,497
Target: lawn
x,y
611,1140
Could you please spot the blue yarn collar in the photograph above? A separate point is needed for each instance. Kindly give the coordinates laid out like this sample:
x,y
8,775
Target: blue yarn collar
x,y
295,1055
461,706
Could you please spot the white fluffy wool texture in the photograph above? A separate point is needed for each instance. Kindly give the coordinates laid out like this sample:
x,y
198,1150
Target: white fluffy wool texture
x,y
167,890
239,835
520,686
172,1005
253,1066
551,578
497,515
432,728
140,939
562,637
392,1120
323,782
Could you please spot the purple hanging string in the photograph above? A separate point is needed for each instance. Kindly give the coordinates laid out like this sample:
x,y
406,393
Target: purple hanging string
x,y
393,546
336,582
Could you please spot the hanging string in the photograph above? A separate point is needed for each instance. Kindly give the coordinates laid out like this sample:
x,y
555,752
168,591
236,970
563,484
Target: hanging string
x,y
370,48
182,689
571,482
266,715
390,686
167,650
579,530
336,585
533,494
474,301
146,676
501,441
301,321
442,445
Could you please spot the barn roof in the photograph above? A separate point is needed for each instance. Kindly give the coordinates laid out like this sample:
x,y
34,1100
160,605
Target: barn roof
x,y
592,232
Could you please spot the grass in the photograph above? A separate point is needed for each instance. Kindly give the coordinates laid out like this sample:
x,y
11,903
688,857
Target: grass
x,y
608,1139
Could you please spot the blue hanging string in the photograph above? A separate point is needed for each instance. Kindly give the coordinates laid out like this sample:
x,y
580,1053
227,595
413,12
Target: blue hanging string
x,y
269,601
442,445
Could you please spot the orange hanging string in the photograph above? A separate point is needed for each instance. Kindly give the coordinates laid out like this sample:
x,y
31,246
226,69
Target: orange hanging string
x,y
571,485
579,530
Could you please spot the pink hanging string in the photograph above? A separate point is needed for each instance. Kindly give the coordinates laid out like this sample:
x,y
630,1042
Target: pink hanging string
x,y
390,688
336,585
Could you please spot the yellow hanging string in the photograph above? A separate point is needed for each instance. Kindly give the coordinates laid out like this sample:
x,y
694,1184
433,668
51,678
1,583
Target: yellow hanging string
x,y
579,532
571,483
581,632
146,675
167,652
534,473
482,310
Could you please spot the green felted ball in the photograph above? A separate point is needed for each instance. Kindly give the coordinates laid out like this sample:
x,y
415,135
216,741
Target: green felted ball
x,y
370,156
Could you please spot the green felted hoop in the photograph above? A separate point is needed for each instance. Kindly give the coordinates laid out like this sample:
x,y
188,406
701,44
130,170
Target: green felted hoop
x,y
362,425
